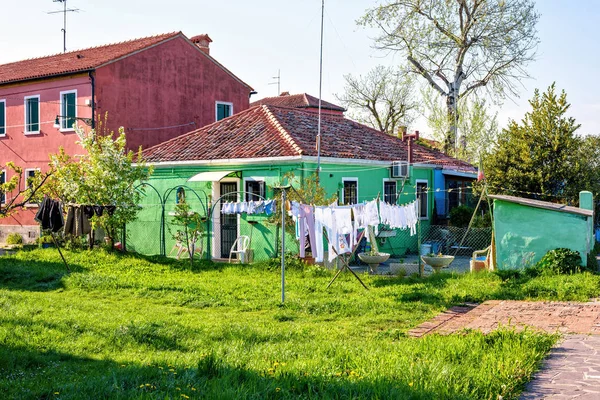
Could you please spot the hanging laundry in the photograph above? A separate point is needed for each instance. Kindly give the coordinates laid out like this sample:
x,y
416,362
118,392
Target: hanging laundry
x,y
77,223
319,224
307,224
50,215
270,207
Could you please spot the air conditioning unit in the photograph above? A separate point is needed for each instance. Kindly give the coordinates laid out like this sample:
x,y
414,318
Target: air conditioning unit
x,y
400,169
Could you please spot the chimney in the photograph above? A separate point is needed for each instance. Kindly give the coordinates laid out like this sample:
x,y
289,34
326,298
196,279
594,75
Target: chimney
x,y
284,94
410,151
402,132
203,42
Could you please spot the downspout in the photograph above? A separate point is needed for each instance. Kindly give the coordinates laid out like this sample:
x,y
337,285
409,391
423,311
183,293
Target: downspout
x,y
93,82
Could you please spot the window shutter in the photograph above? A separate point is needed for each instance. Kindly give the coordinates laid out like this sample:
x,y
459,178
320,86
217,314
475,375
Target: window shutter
x,y
2,118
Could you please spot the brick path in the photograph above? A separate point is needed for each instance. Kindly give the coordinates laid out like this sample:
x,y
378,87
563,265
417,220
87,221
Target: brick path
x,y
571,371
583,318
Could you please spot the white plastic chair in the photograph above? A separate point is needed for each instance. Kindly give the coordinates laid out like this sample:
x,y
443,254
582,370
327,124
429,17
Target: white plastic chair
x,y
182,249
240,248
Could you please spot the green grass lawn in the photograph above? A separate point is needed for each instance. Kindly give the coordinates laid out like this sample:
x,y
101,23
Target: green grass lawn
x,y
128,327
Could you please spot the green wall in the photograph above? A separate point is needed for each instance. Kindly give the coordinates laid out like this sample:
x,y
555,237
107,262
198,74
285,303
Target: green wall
x,y
143,234
525,234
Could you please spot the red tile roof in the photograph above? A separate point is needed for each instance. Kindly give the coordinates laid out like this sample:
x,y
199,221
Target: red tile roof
x,y
302,100
75,61
269,131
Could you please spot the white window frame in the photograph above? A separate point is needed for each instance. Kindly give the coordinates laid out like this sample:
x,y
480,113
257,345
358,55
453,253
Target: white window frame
x,y
426,182
253,179
349,179
3,172
26,172
217,109
3,102
61,110
35,96
383,187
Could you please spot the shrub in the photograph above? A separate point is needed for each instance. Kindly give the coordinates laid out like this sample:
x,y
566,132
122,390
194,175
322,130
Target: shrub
x,y
14,238
44,239
560,261
461,216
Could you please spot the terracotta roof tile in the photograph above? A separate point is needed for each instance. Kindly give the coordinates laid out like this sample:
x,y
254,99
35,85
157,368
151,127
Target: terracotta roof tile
x,y
302,100
269,131
75,61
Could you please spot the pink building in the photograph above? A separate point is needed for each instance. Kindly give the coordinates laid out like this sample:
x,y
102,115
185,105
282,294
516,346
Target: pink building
x,y
157,88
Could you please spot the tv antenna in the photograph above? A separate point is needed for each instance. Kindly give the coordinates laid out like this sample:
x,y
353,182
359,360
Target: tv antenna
x,y
277,82
65,10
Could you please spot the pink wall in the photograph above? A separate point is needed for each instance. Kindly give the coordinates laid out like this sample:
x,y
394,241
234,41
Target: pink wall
x,y
33,150
170,84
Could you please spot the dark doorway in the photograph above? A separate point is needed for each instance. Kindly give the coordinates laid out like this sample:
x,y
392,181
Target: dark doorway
x,y
228,221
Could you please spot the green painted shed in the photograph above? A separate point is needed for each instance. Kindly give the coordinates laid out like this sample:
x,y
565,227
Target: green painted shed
x,y
525,229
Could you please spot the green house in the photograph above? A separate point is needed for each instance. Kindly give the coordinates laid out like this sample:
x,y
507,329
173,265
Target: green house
x,y
243,157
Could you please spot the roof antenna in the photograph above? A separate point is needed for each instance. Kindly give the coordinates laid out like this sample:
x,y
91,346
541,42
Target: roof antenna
x,y
278,82
65,10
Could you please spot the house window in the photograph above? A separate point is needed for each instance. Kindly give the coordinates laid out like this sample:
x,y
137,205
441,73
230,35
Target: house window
x,y
32,114
423,197
224,110
68,109
255,189
2,117
29,175
2,181
350,191
389,192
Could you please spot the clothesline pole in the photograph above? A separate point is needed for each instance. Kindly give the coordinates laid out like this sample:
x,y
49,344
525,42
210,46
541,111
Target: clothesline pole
x,y
283,245
59,252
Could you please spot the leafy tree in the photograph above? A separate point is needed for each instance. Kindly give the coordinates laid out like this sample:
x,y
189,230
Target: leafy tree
x,y
478,130
104,175
543,156
382,99
460,46
191,227
16,198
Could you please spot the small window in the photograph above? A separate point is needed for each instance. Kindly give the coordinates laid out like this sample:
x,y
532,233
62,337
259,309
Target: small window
x,y
68,109
2,117
224,110
2,181
350,191
255,190
389,192
32,114
180,196
29,175
423,197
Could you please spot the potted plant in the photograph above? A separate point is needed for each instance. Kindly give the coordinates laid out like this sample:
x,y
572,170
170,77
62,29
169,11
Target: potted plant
x,y
373,257
45,241
437,261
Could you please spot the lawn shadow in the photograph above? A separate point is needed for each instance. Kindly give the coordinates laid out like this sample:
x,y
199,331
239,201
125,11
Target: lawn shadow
x,y
33,275
30,374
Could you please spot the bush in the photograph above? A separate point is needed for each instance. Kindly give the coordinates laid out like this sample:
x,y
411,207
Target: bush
x,y
14,238
44,239
461,216
560,261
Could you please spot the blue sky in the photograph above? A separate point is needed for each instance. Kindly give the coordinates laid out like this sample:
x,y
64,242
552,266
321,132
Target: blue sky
x,y
255,39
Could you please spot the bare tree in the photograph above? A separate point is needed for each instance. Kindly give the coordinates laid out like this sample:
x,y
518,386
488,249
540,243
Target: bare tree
x,y
383,98
460,46
477,128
